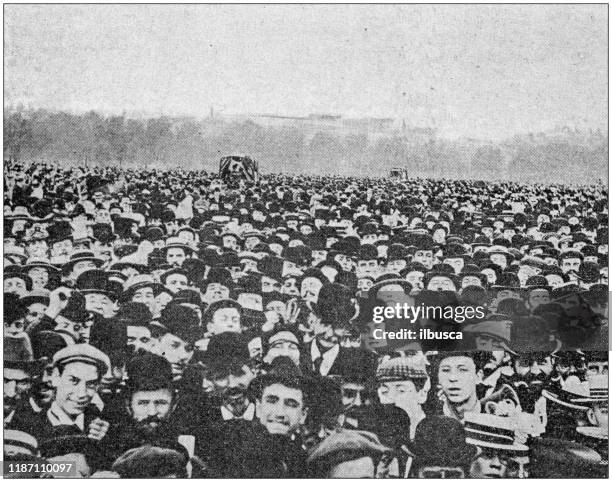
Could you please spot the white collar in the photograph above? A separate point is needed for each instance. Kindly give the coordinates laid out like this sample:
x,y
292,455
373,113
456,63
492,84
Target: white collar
x,y
57,416
248,414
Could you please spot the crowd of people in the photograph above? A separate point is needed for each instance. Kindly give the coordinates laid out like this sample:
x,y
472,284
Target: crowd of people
x,y
175,324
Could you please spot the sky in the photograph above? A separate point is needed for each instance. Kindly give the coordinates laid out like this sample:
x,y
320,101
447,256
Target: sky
x,y
485,71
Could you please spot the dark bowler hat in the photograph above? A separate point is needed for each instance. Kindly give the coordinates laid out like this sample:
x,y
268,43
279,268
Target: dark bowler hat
x,y
46,343
507,281
18,354
181,322
140,281
94,281
75,310
430,449
134,314
148,372
226,350
554,458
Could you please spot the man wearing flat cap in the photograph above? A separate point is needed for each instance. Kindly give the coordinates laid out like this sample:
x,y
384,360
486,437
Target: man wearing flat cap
x,y
77,372
354,454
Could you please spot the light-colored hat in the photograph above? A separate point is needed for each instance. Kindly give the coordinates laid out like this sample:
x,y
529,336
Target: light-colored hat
x,y
82,352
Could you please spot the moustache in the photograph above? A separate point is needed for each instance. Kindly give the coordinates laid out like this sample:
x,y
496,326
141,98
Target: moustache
x,y
150,421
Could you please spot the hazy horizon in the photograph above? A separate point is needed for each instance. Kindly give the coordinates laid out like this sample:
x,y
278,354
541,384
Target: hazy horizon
x,y
483,71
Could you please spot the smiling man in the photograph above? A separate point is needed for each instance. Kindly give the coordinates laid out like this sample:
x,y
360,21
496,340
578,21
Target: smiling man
x,y
77,372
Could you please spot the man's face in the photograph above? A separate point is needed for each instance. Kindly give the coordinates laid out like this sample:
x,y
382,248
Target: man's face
x,y
369,239
570,264
310,289
62,248
248,265
151,408
76,386
37,249
318,256
456,263
250,243
471,281
485,342
145,296
82,266
599,414
39,276
415,278
499,259
491,464
457,377
281,409
396,265
231,386
139,338
402,394
225,320
290,287
175,256
424,257
216,292
269,285
367,267
176,282
283,344
99,303
176,351
186,237
439,236
229,242
603,272
441,283
538,297
364,284
344,261
17,385
14,328
35,312
534,370
15,285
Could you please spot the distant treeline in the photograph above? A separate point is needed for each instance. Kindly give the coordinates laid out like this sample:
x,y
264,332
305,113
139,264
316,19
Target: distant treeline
x,y
92,139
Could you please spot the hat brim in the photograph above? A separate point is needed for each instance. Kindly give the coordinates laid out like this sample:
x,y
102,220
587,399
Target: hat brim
x,y
515,447
110,294
69,265
466,456
30,366
28,300
600,433
48,266
157,289
553,398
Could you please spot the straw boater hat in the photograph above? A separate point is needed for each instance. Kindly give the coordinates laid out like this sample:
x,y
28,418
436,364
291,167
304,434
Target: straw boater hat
x,y
572,395
492,431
